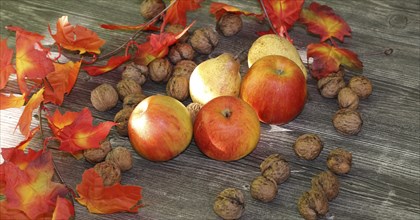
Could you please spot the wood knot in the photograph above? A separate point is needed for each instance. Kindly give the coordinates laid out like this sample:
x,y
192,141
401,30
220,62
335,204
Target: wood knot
x,y
398,21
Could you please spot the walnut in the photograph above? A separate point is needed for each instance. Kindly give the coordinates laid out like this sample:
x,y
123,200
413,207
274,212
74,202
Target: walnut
x,y
136,72
181,51
348,99
229,24
193,109
151,8
160,70
329,86
312,204
121,118
96,155
177,29
328,182
347,121
178,87
229,204
126,87
132,100
308,146
361,85
204,40
184,67
276,168
339,161
263,189
122,157
104,97
109,172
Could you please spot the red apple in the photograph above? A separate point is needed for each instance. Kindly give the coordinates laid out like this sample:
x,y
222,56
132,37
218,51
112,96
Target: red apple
x,y
276,88
226,128
160,128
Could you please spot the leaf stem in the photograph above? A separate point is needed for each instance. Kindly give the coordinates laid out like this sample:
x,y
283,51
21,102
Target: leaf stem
x,y
268,18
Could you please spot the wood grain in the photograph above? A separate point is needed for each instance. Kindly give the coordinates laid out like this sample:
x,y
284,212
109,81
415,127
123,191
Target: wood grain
x,y
384,182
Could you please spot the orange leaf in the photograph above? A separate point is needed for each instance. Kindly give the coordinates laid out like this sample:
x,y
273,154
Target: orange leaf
x,y
77,133
327,59
177,13
32,61
321,20
142,27
25,119
64,209
112,63
106,199
11,101
283,14
23,144
76,37
60,82
218,9
6,67
18,157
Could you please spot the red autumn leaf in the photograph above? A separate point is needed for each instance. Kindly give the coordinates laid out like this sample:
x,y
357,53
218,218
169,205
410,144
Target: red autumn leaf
x,y
31,190
76,37
32,60
321,20
112,63
64,209
60,82
6,67
282,14
106,199
11,101
142,27
177,13
18,157
25,119
76,132
219,9
327,59
23,144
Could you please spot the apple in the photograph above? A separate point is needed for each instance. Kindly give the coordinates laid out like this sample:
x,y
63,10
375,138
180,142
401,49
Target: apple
x,y
160,128
276,88
226,128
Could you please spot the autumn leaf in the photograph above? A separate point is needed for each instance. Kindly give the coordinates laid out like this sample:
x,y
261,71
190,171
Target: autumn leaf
x,y
32,60
219,9
107,199
23,144
76,132
60,81
321,20
112,63
64,209
25,119
76,37
282,14
6,67
327,59
11,101
142,27
177,13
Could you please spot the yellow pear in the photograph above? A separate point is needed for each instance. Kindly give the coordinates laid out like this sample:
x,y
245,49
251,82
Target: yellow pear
x,y
272,44
215,77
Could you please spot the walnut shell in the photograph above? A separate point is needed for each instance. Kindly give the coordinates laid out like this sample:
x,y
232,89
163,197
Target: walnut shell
x,y
347,99
347,121
132,100
151,8
263,189
204,40
177,29
328,182
184,68
178,87
329,86
339,161
126,87
229,204
121,118
104,97
109,172
361,85
160,70
313,204
96,155
136,72
308,146
229,24
181,51
276,168
193,109
122,157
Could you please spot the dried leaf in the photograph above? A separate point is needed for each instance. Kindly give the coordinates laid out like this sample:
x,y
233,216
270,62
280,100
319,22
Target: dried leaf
x,y
327,59
25,119
177,13
321,20
6,67
142,27
219,9
76,37
64,209
11,101
104,200
112,63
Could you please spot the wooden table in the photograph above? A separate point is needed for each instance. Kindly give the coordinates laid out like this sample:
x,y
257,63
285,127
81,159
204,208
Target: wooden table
x,y
384,180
